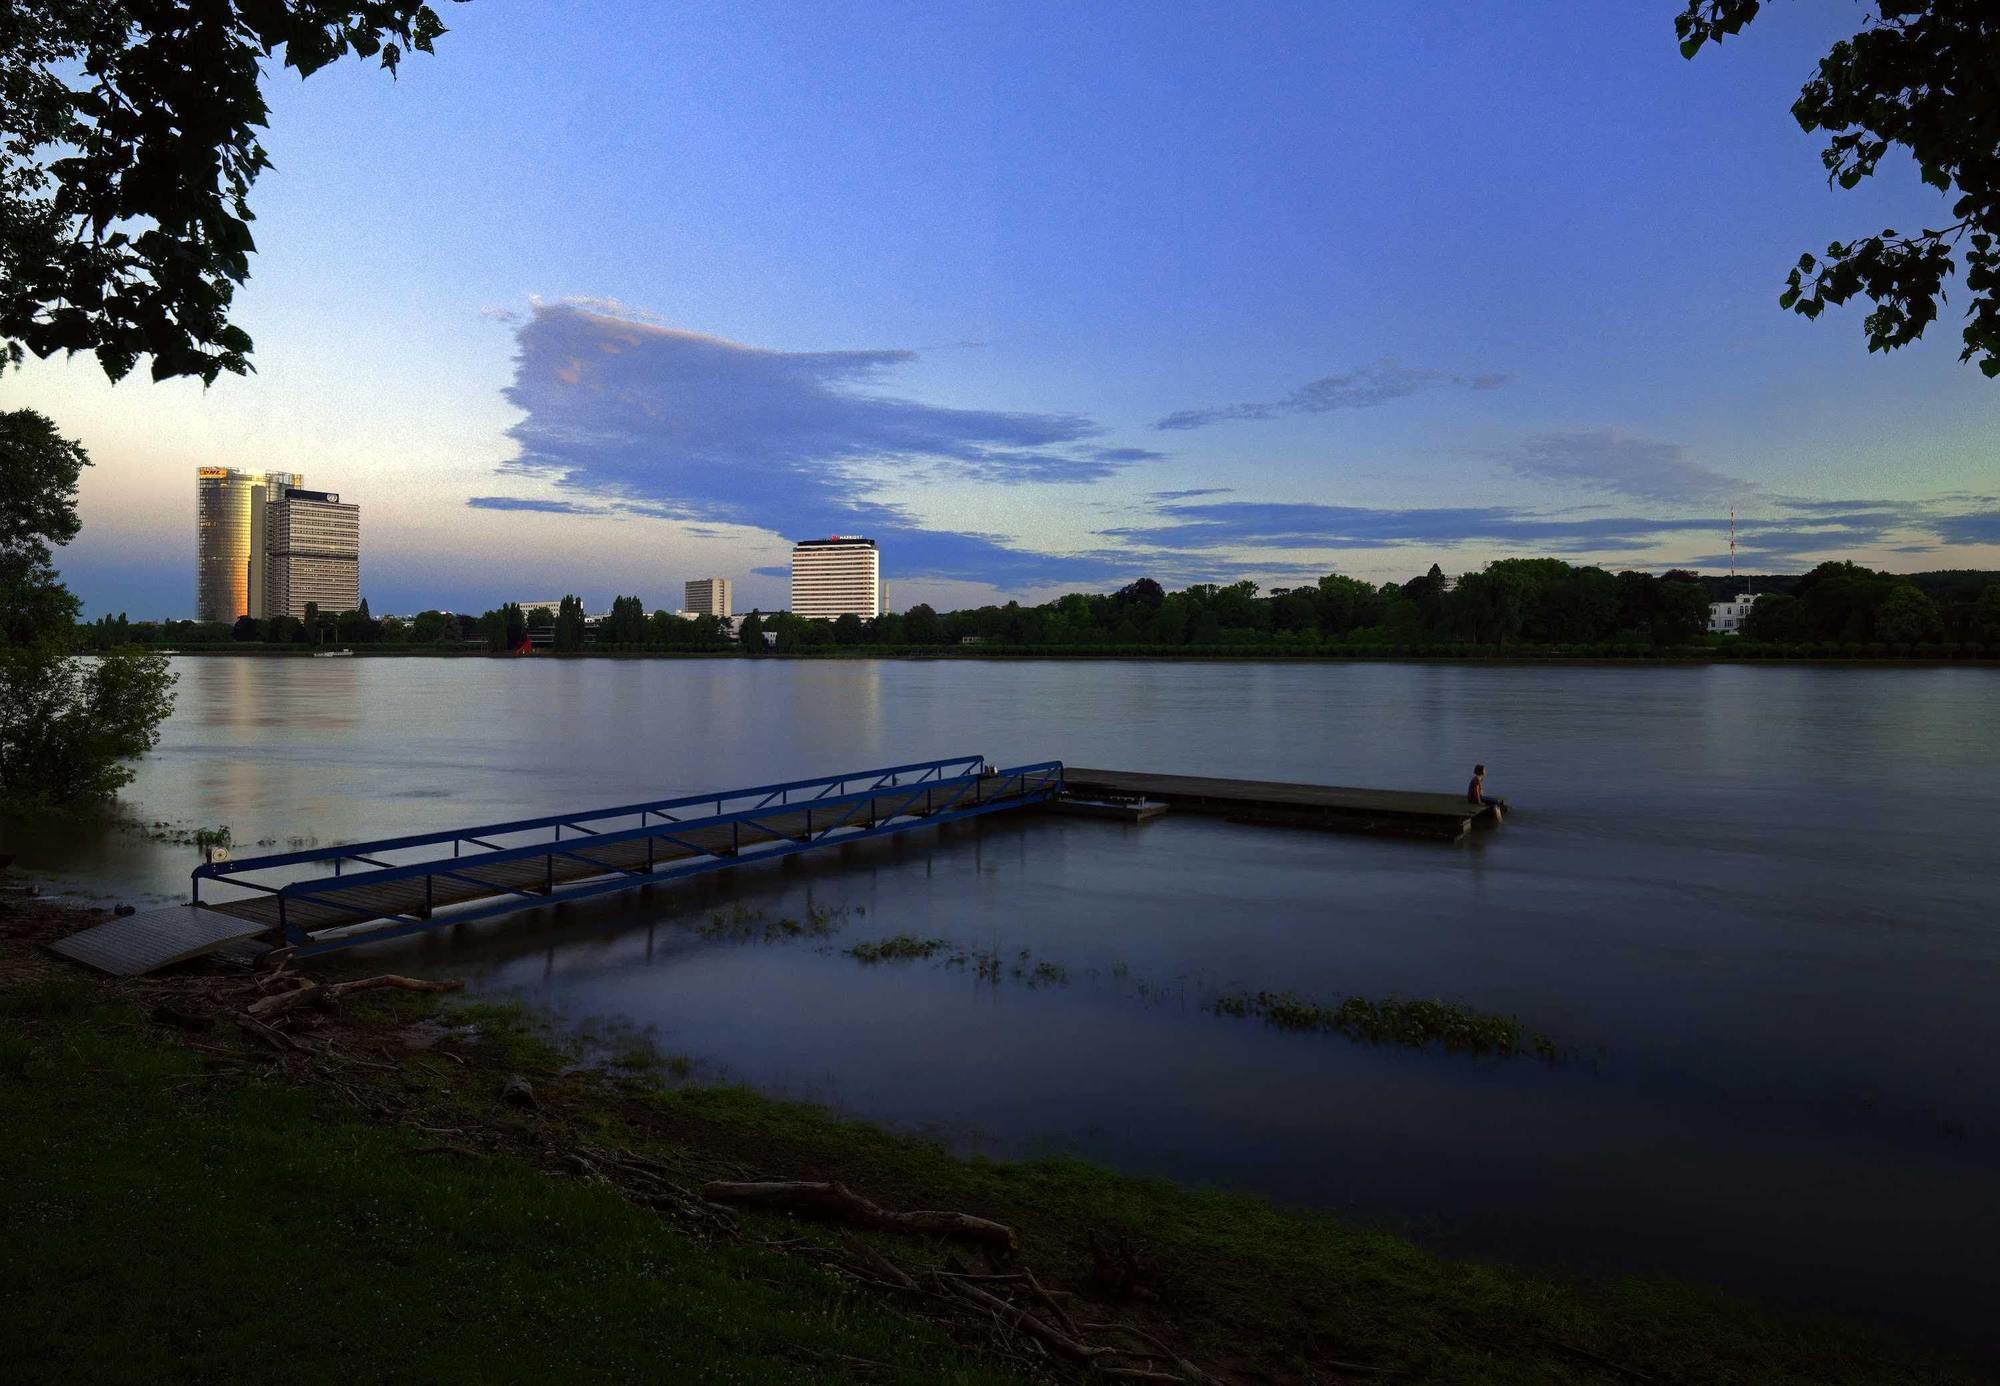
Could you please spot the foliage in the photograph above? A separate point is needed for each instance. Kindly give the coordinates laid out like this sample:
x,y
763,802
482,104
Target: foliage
x,y
130,146
1919,76
752,633
895,948
626,624
569,624
1394,1021
68,724
1846,602
39,469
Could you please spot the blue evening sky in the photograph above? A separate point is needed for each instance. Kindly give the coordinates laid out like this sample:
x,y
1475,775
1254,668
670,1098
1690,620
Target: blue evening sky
x,y
602,297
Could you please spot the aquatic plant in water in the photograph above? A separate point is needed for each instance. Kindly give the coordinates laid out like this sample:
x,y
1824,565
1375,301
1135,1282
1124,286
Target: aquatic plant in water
x,y
1461,1029
742,923
896,947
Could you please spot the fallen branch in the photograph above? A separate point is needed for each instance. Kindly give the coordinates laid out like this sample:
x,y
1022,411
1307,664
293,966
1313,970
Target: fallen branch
x,y
314,994
835,1202
1023,1320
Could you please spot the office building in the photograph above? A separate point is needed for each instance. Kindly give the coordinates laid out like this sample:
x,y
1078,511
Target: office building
x,y
230,547
708,597
836,577
312,554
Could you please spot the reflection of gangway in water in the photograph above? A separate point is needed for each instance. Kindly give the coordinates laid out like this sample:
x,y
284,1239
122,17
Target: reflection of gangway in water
x,y
497,868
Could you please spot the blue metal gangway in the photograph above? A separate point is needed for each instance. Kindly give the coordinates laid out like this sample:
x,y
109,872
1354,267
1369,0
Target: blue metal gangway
x,y
428,880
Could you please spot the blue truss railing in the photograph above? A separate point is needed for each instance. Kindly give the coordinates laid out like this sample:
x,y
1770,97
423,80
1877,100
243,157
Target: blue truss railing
x,y
891,799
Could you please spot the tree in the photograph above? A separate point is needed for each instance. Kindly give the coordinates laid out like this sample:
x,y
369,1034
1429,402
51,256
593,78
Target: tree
x,y
67,725
848,630
921,625
1683,612
752,633
39,469
569,623
247,627
492,629
1919,75
540,616
131,145
1144,592
626,624
431,628
1907,617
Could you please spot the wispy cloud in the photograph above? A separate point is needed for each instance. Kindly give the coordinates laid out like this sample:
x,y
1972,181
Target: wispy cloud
x,y
1189,494
1608,460
1360,389
553,507
1293,525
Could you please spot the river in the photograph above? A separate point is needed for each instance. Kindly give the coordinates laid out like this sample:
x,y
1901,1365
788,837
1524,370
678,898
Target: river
x,y
1752,904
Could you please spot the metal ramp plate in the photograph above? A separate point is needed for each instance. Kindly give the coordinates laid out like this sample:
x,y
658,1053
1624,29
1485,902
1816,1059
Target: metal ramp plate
x,y
139,943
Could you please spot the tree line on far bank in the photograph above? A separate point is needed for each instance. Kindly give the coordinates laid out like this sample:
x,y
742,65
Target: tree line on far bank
x,y
1543,603
1540,603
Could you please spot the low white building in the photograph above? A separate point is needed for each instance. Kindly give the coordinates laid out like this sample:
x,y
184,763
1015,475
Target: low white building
x,y
1727,618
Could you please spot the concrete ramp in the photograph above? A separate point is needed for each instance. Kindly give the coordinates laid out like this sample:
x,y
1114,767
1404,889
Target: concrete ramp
x,y
141,943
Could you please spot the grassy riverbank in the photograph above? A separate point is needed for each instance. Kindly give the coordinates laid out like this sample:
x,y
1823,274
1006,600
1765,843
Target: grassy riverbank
x,y
352,1195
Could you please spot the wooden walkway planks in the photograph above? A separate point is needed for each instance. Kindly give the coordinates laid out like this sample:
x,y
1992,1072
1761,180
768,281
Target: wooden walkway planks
x,y
1337,807
357,899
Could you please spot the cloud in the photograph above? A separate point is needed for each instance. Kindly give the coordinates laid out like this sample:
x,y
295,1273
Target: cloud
x,y
553,507
1361,389
1608,460
1190,494
1977,527
1283,525
653,420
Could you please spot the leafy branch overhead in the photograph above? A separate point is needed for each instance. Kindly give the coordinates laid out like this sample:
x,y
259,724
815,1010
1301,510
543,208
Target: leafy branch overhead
x,y
128,144
1923,75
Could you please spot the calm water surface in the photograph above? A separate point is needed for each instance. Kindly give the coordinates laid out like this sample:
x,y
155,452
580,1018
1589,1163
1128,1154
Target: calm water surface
x,y
1755,904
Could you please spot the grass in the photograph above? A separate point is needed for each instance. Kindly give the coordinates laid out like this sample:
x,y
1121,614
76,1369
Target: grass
x,y
1240,1282
895,948
166,1225
165,1220
1461,1029
742,923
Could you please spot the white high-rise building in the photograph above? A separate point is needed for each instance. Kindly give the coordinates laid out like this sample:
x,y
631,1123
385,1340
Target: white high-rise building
x,y
840,576
708,597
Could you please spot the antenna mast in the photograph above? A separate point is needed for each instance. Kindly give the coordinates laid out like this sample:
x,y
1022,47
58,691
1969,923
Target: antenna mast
x,y
1732,546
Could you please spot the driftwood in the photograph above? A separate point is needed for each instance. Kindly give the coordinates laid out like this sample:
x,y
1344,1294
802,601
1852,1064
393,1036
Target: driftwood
x,y
835,1202
315,994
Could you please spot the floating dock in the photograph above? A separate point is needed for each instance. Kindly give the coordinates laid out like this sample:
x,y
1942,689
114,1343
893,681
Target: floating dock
x,y
325,898
1401,812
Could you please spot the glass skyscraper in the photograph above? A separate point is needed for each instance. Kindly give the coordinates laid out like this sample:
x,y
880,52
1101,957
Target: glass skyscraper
x,y
229,539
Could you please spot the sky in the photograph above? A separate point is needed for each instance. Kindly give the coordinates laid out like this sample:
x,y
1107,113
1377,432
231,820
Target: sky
x,y
1045,298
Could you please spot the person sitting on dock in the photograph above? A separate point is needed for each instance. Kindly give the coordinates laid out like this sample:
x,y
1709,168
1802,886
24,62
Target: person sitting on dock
x,y
1476,792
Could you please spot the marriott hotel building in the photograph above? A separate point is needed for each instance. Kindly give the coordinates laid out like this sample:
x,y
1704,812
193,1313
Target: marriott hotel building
x,y
836,577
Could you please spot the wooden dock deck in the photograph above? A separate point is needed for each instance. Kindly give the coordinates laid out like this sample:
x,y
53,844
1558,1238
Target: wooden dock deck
x,y
1395,811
